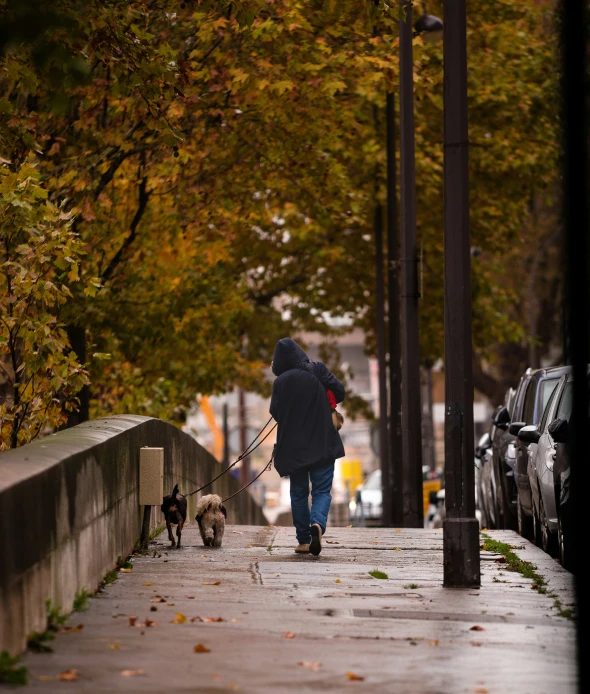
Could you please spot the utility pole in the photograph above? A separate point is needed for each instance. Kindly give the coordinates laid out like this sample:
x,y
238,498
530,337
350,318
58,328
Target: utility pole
x,y
395,400
413,509
225,435
460,527
245,465
381,352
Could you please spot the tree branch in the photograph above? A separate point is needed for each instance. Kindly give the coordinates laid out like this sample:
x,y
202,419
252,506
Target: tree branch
x,y
143,201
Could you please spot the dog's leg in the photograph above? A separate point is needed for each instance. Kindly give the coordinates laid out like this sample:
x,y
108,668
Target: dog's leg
x,y
179,529
219,529
170,536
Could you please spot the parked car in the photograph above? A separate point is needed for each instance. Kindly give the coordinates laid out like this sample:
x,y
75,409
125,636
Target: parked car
x,y
485,492
366,506
532,397
503,461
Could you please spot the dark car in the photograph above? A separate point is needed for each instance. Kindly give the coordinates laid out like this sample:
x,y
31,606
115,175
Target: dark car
x,y
503,456
484,491
532,397
558,429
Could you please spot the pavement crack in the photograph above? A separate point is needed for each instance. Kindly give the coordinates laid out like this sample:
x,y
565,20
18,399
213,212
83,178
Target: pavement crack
x,y
255,573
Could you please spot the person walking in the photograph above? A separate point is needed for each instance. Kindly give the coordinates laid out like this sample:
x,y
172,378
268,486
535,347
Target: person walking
x,y
303,396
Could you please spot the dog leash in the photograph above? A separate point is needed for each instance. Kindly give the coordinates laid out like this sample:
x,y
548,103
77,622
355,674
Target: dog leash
x,y
268,466
246,453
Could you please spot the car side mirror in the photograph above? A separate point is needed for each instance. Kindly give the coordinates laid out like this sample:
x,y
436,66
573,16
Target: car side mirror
x,y
559,430
529,434
502,419
515,427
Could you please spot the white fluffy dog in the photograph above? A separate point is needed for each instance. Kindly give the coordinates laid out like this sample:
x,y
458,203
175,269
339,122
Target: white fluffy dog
x,y
211,515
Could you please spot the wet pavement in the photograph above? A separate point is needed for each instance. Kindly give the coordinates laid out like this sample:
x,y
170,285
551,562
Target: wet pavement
x,y
254,617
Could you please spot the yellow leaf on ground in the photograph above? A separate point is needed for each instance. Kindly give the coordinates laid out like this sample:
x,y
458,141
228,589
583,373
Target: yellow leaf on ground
x,y
126,571
147,584
337,581
180,618
68,675
353,676
288,635
211,583
433,642
199,648
133,673
113,646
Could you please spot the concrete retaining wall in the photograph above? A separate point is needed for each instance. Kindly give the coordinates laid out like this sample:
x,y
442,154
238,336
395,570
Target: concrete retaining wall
x,y
69,506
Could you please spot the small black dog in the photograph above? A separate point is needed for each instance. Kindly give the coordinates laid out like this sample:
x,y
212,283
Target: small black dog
x,y
174,509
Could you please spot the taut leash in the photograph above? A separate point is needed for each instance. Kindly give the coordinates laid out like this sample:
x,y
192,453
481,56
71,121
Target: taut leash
x,y
267,467
246,453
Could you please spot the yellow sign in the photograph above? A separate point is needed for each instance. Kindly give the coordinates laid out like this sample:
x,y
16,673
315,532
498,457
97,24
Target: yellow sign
x,y
352,474
427,487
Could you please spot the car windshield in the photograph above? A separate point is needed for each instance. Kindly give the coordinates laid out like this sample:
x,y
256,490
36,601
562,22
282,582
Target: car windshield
x,y
547,388
564,410
373,481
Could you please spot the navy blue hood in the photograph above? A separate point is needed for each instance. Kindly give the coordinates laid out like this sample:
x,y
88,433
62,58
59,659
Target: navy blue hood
x,y
288,355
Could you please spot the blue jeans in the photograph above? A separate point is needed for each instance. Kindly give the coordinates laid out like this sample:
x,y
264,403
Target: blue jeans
x,y
321,477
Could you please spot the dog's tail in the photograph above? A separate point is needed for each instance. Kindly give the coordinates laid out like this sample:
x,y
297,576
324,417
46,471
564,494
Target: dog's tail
x,y
174,492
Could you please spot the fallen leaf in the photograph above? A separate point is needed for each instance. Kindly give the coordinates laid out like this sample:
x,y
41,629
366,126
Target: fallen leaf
x,y
332,542
211,583
46,678
476,643
203,556
337,581
199,648
132,621
153,608
480,690
64,630
158,598
349,526
133,673
217,678
353,676
68,675
180,618
237,532
477,628
147,584
433,642
235,620
208,619
398,549
249,546
120,614
126,571
398,530
169,604
190,597
375,543
233,687
314,666
113,646
288,635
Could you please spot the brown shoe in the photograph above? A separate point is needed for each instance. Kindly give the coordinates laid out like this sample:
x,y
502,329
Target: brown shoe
x,y
315,546
302,549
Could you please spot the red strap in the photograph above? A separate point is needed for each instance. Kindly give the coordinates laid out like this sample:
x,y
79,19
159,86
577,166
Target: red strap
x,y
331,399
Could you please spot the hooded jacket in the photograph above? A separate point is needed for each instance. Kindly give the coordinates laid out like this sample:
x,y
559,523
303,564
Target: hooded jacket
x,y
306,435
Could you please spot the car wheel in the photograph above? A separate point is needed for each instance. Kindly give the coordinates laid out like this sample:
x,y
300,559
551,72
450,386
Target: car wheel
x,y
565,553
548,539
536,527
510,522
524,522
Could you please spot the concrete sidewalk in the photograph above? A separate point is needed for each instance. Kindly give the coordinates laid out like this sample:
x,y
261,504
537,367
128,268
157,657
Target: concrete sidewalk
x,y
300,624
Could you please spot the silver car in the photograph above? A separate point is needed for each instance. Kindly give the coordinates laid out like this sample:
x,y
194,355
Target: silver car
x,y
541,458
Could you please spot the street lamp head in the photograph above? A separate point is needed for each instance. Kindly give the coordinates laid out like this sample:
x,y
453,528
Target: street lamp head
x,y
429,26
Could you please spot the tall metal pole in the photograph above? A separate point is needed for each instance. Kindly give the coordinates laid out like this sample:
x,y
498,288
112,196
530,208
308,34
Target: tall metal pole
x,y
575,56
226,435
395,376
381,352
460,528
411,410
245,465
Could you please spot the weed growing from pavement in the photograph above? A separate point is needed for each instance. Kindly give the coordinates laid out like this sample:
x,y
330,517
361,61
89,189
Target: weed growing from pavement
x,y
123,563
270,549
526,569
10,671
81,600
378,574
37,641
55,617
411,586
111,577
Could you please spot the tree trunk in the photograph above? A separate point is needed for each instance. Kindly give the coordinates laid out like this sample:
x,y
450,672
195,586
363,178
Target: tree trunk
x,y
77,338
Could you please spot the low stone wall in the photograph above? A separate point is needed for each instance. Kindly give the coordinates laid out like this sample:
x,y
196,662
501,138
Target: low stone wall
x,y
69,506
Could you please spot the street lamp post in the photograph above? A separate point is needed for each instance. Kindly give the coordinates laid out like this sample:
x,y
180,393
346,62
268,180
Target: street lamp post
x,y
413,511
460,528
